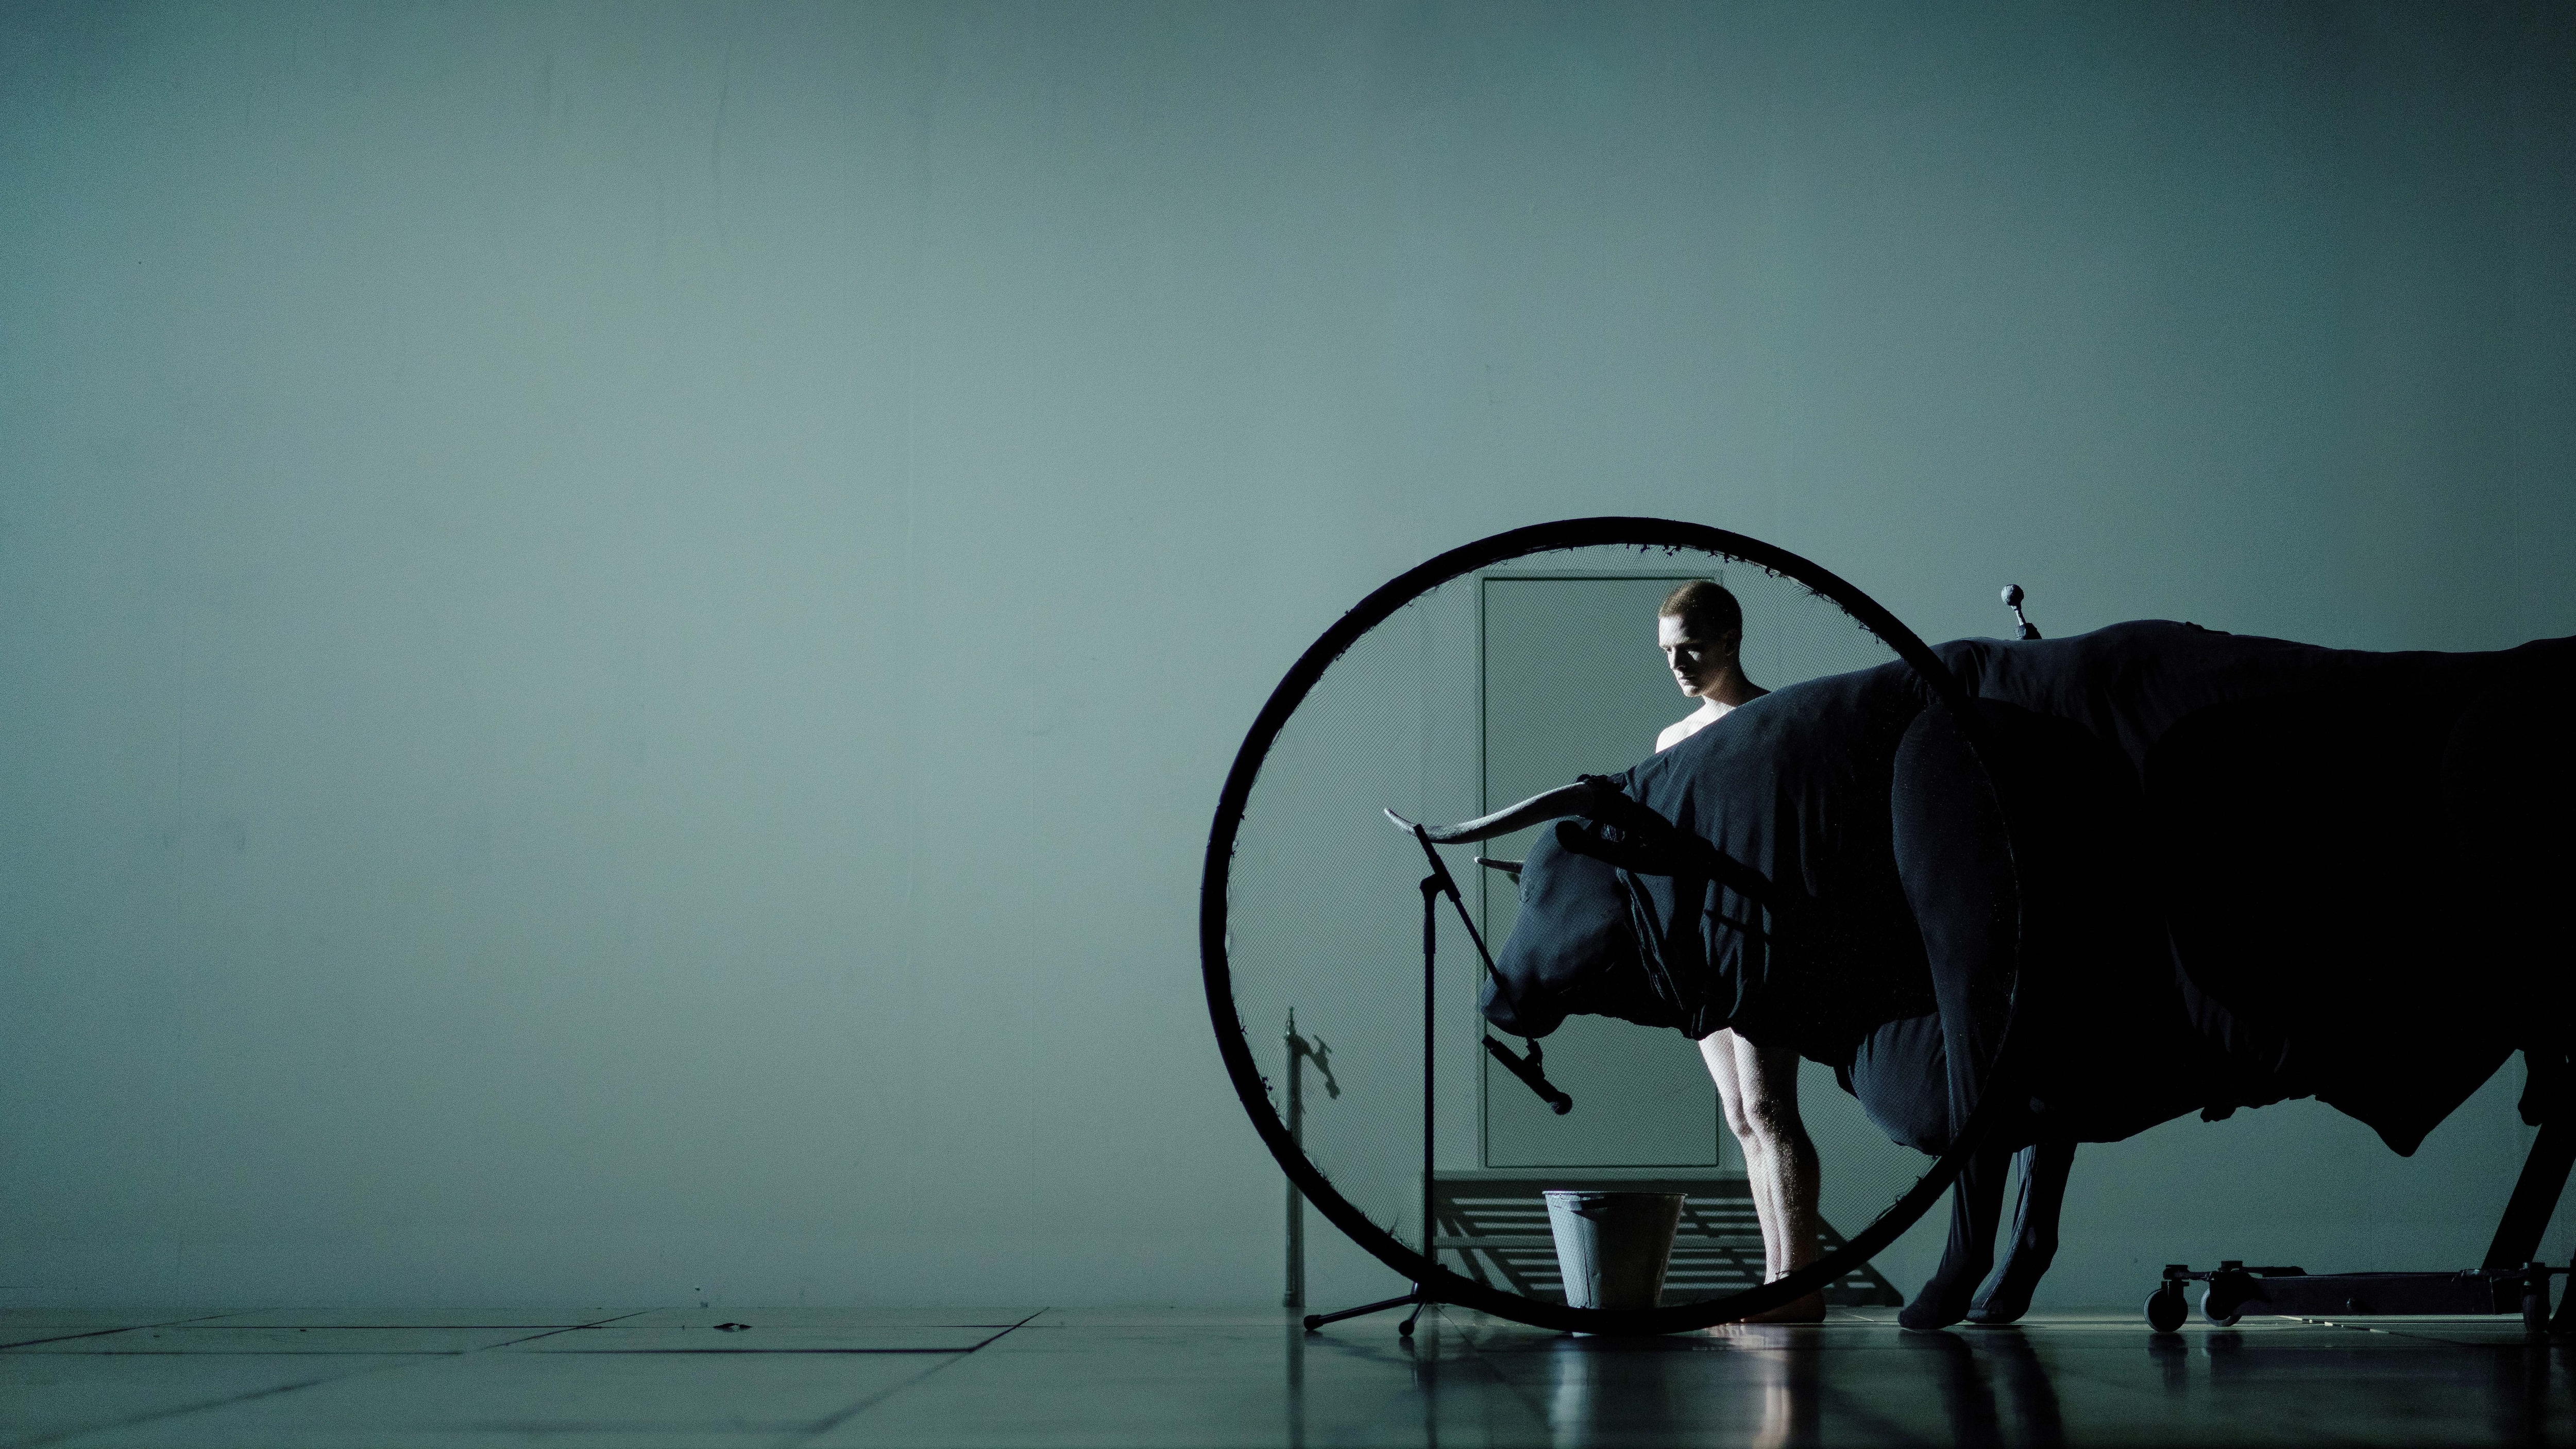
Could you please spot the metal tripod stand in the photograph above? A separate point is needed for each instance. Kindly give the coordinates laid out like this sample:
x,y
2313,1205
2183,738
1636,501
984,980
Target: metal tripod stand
x,y
1435,885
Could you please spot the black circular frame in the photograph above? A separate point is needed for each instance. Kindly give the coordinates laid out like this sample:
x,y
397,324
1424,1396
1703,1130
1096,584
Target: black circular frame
x,y
1443,1285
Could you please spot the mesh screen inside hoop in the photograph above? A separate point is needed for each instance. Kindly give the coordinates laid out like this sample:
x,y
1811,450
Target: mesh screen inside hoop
x,y
1485,688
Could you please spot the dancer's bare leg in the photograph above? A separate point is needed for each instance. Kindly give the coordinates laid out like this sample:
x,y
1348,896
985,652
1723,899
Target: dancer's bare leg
x,y
1757,1088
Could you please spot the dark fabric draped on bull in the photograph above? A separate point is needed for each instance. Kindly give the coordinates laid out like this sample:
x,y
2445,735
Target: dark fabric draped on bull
x,y
2239,870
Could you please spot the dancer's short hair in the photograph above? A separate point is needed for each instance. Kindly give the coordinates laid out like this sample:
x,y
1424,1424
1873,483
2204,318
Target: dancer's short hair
x,y
1706,607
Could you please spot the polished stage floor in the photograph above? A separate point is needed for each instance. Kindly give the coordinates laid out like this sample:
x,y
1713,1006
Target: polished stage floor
x,y
1146,1377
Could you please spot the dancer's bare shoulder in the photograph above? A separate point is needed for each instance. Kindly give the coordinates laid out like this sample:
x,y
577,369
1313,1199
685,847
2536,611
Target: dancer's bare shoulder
x,y
1690,724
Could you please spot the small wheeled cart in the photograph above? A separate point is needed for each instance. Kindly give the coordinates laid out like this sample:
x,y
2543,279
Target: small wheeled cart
x,y
2235,1290
2509,1281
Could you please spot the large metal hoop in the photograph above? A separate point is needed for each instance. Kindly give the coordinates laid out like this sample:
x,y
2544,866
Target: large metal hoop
x,y
1442,1284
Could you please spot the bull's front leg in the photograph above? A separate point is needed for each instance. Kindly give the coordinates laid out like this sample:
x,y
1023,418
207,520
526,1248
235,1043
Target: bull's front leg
x,y
2006,1296
1976,1210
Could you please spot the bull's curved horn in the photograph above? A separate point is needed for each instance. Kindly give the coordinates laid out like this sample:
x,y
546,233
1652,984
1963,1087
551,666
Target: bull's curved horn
x,y
1579,798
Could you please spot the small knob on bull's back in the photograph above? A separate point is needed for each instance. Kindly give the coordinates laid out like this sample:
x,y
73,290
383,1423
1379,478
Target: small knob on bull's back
x,y
2012,601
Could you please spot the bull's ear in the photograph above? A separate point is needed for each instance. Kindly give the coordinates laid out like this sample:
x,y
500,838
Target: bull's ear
x,y
1508,867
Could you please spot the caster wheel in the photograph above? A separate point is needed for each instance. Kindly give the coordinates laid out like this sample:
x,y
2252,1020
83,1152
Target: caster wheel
x,y
2165,1310
2211,1305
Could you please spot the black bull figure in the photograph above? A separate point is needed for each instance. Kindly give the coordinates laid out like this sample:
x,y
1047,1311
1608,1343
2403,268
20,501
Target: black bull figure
x,y
2220,872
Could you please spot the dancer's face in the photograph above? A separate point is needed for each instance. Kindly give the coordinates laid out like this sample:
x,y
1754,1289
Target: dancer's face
x,y
1696,662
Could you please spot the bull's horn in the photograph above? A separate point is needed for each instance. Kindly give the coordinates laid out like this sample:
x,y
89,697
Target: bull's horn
x,y
1578,798
1508,867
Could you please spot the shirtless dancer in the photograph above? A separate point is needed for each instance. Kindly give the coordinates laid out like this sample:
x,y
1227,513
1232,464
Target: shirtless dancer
x,y
1701,630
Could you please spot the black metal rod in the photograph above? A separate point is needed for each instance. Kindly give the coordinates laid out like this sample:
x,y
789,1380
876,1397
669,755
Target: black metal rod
x,y
1527,1069
1294,1295
1531,1075
2535,1196
1420,1296
1448,885
1318,1320
1430,1056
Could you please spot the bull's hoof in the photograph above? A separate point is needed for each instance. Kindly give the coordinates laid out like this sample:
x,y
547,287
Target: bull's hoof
x,y
1938,1306
2006,1296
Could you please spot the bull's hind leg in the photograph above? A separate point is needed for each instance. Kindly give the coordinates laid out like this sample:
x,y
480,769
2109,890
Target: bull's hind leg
x,y
1956,864
1976,1210
2006,1296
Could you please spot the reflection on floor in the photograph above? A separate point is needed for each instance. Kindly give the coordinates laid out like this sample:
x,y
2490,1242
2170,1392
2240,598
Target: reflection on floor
x,y
1153,1377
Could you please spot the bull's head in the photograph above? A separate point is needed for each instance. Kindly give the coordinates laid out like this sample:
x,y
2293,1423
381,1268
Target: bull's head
x,y
1645,842
1574,947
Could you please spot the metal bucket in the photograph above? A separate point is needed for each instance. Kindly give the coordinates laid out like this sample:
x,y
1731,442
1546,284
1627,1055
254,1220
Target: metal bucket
x,y
1613,1247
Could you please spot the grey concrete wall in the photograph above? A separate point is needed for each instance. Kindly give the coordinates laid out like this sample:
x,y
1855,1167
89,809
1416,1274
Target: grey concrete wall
x,y
618,624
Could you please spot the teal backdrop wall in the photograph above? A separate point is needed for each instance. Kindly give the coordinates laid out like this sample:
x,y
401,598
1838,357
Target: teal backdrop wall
x,y
619,624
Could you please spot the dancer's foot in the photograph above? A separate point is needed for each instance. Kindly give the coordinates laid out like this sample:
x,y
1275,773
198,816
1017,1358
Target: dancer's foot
x,y
1810,1309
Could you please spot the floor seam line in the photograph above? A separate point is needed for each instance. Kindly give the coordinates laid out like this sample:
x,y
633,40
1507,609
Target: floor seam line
x,y
404,1361
103,1332
263,1353
827,1424
774,1352
156,1416
1005,1333
565,1328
